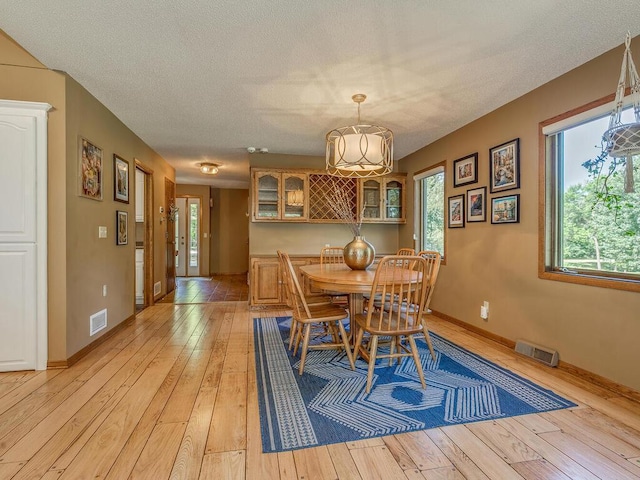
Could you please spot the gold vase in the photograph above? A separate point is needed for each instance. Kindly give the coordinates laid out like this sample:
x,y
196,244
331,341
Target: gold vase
x,y
359,254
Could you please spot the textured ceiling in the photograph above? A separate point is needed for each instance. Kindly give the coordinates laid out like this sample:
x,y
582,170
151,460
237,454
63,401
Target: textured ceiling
x,y
201,80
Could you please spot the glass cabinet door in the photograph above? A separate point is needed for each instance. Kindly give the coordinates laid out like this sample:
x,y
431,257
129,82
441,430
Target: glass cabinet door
x,y
267,205
294,196
393,200
371,200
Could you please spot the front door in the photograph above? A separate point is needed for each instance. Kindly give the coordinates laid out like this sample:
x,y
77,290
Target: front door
x,y
169,201
188,236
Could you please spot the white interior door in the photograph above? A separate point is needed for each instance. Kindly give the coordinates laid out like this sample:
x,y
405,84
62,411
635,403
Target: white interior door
x,y
23,235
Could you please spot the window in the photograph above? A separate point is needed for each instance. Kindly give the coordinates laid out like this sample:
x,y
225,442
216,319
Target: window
x,y
589,238
430,209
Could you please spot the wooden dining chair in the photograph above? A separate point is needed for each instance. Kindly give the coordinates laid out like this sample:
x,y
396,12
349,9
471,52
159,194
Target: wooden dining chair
x,y
314,299
403,279
334,255
331,255
433,259
433,267
401,252
306,315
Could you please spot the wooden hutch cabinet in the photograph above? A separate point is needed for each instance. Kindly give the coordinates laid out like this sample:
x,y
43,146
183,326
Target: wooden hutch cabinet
x,y
302,196
382,200
280,196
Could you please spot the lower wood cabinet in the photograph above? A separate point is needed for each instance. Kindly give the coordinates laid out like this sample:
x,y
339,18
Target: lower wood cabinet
x,y
266,284
266,281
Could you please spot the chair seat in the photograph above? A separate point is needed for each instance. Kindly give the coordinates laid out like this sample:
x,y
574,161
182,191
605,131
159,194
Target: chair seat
x,y
324,312
388,323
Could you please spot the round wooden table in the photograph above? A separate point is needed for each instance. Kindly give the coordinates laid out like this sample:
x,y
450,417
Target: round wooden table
x,y
337,277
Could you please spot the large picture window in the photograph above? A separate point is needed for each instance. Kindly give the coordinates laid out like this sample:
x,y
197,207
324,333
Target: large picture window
x,y
430,209
591,225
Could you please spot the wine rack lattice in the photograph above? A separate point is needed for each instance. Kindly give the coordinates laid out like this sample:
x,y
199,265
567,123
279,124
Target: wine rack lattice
x,y
320,188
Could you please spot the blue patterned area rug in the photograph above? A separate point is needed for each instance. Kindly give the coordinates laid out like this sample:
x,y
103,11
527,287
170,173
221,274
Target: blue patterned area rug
x,y
328,403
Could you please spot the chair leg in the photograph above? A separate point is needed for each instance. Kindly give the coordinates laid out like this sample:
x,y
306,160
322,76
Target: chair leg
x,y
345,342
416,358
428,340
392,347
356,349
305,347
296,344
372,360
292,331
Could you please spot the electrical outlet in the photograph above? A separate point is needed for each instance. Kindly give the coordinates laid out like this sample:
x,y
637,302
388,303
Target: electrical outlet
x,y
102,232
484,310
104,290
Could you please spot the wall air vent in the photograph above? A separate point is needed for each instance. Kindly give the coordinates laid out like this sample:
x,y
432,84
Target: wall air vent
x,y
545,355
157,288
97,322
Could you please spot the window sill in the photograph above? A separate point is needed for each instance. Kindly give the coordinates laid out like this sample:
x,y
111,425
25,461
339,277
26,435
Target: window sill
x,y
591,280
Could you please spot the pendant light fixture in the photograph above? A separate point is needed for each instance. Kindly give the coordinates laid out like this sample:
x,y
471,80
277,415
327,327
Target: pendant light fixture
x,y
359,150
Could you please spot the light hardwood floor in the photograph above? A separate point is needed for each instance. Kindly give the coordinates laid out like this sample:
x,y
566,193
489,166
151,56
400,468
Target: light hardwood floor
x,y
174,396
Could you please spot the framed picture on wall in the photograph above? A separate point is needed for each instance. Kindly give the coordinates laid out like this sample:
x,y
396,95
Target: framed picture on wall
x,y
504,166
477,205
465,170
505,209
122,227
120,179
89,170
456,211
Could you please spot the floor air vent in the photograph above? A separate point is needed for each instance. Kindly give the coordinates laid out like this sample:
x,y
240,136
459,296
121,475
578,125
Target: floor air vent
x,y
542,354
97,322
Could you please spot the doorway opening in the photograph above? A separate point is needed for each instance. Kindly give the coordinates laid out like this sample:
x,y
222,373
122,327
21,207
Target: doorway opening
x,y
144,236
187,236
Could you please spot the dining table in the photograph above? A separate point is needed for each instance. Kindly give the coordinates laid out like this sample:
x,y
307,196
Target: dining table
x,y
338,277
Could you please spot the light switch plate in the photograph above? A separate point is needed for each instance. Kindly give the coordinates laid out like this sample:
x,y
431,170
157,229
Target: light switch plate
x,y
102,232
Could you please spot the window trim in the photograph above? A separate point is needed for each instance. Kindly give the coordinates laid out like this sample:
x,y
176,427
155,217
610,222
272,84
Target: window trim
x,y
417,207
547,202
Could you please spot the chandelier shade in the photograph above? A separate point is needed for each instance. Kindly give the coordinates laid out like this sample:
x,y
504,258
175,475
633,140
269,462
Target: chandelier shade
x,y
295,198
359,150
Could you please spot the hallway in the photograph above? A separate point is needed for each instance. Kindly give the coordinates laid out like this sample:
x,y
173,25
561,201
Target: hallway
x,y
217,288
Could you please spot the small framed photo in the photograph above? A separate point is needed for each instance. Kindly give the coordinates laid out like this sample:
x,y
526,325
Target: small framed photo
x,y
456,211
477,205
465,170
89,170
504,166
122,227
120,179
505,209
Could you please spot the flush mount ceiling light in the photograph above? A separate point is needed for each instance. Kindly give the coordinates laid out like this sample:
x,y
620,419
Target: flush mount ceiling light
x,y
359,150
208,168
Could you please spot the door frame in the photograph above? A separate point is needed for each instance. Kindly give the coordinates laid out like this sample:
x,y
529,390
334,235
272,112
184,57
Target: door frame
x,y
170,271
148,234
